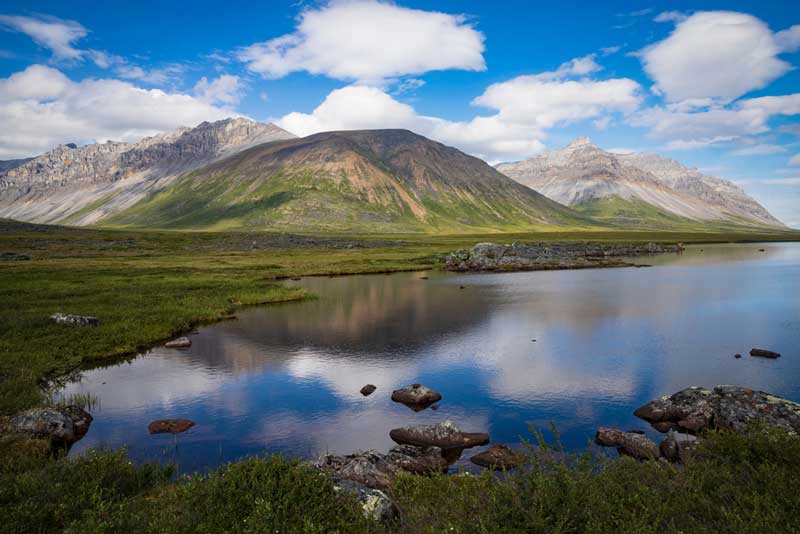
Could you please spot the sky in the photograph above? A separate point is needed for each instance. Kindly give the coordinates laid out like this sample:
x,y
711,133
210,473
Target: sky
x,y
715,85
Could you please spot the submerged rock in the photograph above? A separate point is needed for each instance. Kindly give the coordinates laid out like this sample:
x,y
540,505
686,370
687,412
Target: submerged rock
x,y
499,457
369,389
416,396
61,425
764,353
630,444
445,435
180,343
170,426
544,256
75,320
728,407
677,446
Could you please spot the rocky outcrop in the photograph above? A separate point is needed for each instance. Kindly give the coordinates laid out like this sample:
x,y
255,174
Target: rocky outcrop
x,y
416,396
445,435
631,444
170,426
546,256
62,425
75,320
696,409
499,457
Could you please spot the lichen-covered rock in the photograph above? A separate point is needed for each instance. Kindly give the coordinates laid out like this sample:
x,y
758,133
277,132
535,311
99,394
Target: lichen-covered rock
x,y
677,446
445,435
545,256
630,444
170,426
729,407
375,504
75,320
499,457
416,396
61,425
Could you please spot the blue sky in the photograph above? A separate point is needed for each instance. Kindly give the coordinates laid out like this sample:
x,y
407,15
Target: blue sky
x,y
714,85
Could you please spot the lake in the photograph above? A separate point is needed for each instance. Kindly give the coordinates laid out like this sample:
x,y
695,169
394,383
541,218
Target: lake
x,y
286,378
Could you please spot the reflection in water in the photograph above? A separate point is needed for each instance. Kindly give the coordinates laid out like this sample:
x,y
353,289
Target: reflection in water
x,y
287,378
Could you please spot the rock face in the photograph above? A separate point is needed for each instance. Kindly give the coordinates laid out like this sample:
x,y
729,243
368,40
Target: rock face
x,y
546,256
728,407
376,470
180,343
631,444
445,435
416,396
581,173
75,320
498,457
170,426
62,425
85,185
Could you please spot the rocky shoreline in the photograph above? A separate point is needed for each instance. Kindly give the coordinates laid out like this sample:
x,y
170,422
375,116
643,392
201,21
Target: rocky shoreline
x,y
488,257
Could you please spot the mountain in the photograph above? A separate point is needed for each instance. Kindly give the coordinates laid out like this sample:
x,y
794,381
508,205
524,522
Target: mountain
x,y
72,185
636,190
372,181
8,164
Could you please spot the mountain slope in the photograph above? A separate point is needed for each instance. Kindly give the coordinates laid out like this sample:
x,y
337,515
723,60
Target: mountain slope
x,y
635,191
71,185
374,180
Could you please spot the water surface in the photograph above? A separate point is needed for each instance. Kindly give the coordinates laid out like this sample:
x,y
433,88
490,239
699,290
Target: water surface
x,y
286,378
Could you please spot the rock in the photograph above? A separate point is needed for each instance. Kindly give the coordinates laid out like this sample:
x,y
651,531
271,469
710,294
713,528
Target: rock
x,y
376,470
499,457
445,435
737,355
375,504
544,256
61,425
630,444
763,353
677,446
13,256
170,426
180,343
728,407
75,320
369,389
423,277
416,396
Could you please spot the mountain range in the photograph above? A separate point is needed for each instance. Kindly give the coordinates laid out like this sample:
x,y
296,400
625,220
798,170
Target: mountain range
x,y
636,190
242,174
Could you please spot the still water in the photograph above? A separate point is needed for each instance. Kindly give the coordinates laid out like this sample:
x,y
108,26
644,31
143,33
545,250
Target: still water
x,y
286,378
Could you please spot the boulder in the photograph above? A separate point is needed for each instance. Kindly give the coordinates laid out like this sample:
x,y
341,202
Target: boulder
x,y
728,407
61,425
445,435
677,446
630,444
75,320
375,504
499,457
180,343
170,426
764,353
369,389
416,396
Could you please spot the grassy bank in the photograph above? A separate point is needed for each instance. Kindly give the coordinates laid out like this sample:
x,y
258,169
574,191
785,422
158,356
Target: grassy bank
x,y
734,483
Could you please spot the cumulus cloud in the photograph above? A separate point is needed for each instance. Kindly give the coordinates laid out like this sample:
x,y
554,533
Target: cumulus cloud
x,y
524,109
40,107
226,89
789,40
369,41
52,33
715,54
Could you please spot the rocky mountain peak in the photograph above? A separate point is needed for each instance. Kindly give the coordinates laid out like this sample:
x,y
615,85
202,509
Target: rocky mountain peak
x,y
581,142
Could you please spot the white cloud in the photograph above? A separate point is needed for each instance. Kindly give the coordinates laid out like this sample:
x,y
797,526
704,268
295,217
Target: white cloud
x,y
759,150
795,160
789,39
53,33
158,76
226,89
40,107
408,85
714,54
608,50
369,41
670,16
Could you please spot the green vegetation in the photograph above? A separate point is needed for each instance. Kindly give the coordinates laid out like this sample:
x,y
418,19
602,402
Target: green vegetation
x,y
735,483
